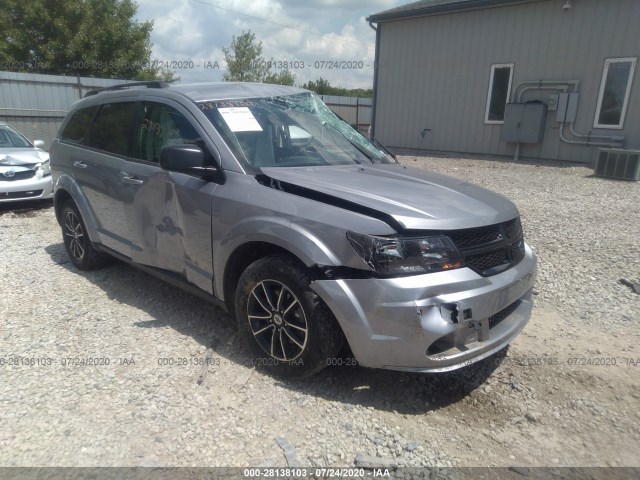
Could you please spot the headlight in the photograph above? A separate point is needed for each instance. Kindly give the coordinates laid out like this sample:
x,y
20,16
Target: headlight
x,y
45,168
406,256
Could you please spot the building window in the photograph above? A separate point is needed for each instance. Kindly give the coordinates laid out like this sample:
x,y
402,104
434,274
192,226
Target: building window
x,y
615,88
499,92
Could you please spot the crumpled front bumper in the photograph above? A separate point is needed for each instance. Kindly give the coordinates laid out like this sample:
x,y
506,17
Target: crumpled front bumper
x,y
435,322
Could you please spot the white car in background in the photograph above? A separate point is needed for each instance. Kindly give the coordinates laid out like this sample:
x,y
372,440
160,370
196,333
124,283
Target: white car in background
x,y
25,173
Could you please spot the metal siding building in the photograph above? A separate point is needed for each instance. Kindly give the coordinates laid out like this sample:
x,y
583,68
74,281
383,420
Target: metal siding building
x,y
36,104
434,61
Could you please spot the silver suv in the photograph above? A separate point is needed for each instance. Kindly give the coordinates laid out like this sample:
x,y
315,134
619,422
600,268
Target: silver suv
x,y
260,199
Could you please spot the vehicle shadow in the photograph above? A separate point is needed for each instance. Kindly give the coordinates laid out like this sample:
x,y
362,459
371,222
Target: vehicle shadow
x,y
401,392
168,306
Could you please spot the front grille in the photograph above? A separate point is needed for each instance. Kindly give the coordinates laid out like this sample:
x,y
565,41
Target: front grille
x,y
475,236
492,249
24,175
513,228
517,251
486,261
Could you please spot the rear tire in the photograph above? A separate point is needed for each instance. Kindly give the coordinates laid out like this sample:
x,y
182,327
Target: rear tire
x,y
79,247
287,327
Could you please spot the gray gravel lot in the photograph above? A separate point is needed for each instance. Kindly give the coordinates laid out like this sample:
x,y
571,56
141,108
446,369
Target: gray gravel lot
x,y
586,231
556,398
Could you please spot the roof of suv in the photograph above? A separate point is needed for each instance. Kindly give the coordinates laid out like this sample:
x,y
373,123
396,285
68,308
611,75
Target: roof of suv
x,y
211,91
230,90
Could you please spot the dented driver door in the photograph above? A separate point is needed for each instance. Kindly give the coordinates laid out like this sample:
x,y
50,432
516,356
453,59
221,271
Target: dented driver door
x,y
170,219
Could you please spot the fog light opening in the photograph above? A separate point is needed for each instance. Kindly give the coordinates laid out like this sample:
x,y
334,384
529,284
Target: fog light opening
x,y
449,312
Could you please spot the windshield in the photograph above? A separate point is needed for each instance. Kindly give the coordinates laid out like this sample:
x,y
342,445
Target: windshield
x,y
10,138
289,131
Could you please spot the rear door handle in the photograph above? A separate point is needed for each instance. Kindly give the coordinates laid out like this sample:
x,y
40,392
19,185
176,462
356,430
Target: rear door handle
x,y
79,164
132,180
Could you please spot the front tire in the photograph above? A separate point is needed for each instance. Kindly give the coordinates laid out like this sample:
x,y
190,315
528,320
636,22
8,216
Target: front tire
x,y
79,248
287,327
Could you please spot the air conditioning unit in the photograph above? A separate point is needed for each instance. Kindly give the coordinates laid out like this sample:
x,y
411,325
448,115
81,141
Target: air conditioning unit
x,y
618,163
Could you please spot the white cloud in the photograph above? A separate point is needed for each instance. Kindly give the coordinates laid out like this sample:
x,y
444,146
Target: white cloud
x,y
326,31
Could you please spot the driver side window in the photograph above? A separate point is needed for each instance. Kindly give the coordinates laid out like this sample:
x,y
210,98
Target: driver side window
x,y
161,125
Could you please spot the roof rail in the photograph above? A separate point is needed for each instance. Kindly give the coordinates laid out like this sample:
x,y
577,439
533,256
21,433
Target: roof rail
x,y
122,86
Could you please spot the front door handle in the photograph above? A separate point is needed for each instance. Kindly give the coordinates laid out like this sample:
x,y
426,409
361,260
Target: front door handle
x,y
79,164
132,180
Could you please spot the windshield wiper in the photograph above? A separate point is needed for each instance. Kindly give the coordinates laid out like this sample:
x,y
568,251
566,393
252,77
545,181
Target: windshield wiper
x,y
374,141
381,147
353,144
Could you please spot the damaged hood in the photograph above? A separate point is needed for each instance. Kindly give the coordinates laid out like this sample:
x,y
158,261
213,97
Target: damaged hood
x,y
21,157
416,198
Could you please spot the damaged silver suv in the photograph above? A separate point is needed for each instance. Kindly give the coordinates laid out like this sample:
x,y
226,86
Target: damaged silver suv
x,y
260,199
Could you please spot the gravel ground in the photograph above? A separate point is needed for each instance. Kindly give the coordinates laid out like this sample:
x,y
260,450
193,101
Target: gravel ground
x,y
565,394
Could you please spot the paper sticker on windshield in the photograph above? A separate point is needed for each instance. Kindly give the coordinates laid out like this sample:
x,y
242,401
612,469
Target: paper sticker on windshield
x,y
240,119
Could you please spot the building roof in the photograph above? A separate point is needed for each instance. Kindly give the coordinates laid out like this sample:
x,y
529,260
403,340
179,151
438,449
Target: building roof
x,y
430,7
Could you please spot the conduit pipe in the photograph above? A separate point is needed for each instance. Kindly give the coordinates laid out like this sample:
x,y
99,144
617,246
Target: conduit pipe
x,y
540,83
588,136
587,143
563,85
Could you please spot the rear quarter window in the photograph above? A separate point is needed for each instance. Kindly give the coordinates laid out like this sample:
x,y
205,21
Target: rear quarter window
x,y
77,128
113,127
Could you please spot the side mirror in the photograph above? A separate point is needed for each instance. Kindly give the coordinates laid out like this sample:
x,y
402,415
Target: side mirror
x,y
189,159
38,144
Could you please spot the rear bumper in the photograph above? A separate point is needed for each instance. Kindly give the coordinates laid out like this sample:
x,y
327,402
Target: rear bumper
x,y
30,189
431,323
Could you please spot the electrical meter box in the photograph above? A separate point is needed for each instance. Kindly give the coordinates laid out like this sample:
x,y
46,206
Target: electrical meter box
x,y
524,122
567,110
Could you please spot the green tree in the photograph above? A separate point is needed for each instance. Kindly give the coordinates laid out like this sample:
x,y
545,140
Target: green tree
x,y
323,87
165,75
283,77
245,62
91,38
320,86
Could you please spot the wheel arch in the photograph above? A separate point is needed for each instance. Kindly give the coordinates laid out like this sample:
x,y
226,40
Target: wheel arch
x,y
60,198
255,238
67,189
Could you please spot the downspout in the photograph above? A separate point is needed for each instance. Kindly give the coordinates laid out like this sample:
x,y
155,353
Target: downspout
x,y
375,80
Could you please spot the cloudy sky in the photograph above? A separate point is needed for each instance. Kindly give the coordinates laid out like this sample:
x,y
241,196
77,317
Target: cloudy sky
x,y
306,32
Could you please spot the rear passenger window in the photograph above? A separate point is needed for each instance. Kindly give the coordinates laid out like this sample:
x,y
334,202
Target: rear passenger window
x,y
161,125
75,131
112,127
